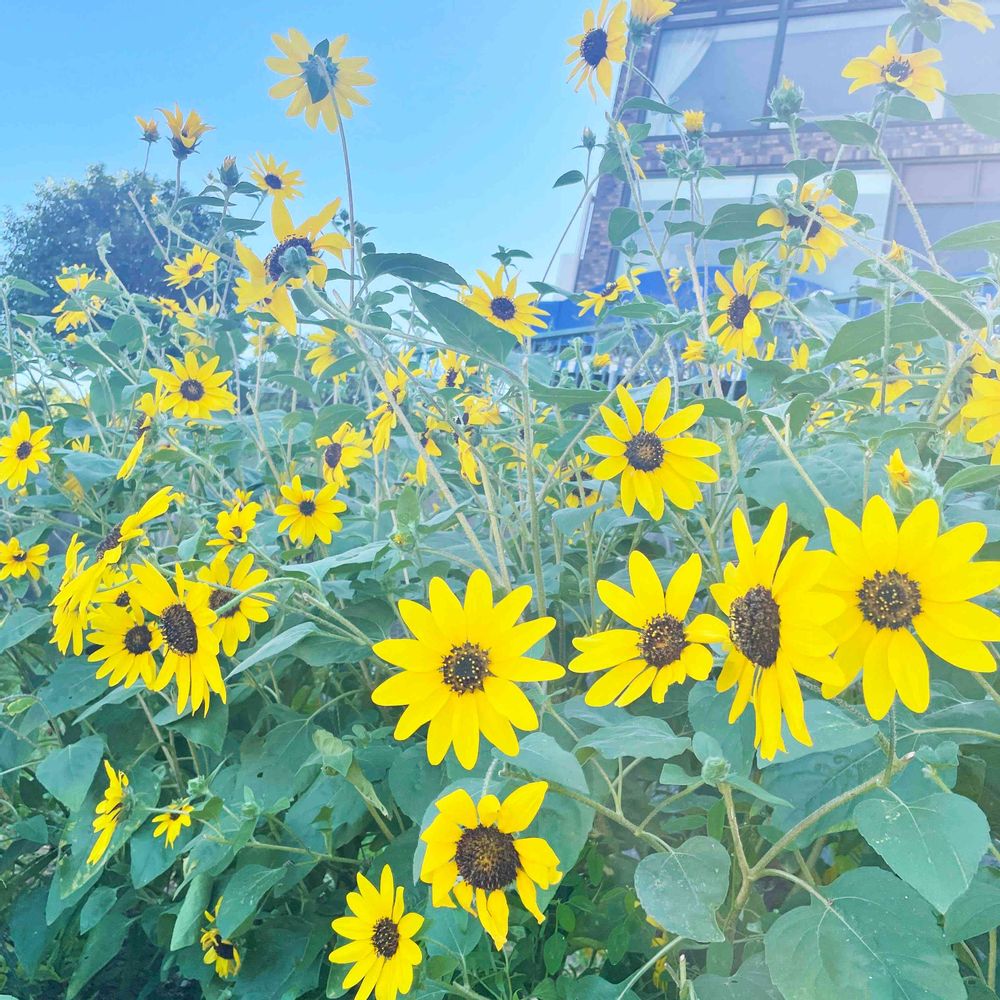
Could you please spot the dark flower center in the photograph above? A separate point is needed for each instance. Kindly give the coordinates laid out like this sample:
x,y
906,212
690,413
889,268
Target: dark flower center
x,y
738,311
662,641
890,600
123,600
808,225
179,629
898,70
138,639
333,454
111,540
194,269
609,289
273,181
220,597
644,452
486,858
20,556
224,949
23,450
385,937
503,308
307,508
272,262
236,531
451,377
465,668
594,46
755,626
192,390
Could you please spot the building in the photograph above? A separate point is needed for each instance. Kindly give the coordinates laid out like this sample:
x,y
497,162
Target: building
x,y
725,57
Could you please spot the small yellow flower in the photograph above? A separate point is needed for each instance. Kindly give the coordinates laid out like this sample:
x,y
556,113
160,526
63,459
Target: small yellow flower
x,y
800,358
232,623
675,278
962,10
309,514
108,812
694,350
194,390
23,451
818,221
601,44
150,129
650,12
343,450
738,326
221,953
186,132
599,361
16,562
169,823
275,179
889,65
661,148
195,265
694,122
896,254
610,292
899,473
503,307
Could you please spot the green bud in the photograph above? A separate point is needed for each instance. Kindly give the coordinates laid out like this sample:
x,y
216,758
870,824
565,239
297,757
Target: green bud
x,y
714,770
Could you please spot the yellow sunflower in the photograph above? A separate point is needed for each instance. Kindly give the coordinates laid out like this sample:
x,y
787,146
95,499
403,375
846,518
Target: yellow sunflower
x,y
234,524
77,309
323,356
737,326
219,951
185,131
982,410
895,582
503,307
819,219
473,854
232,625
108,812
601,43
70,616
23,451
149,406
779,626
380,947
169,823
693,122
659,649
309,514
610,292
125,644
648,453
962,10
194,390
150,129
454,369
191,267
321,81
384,414
275,179
343,450
191,647
649,12
889,65
460,672
16,562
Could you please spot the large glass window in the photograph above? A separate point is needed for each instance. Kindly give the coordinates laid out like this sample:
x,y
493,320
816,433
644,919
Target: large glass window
x,y
970,64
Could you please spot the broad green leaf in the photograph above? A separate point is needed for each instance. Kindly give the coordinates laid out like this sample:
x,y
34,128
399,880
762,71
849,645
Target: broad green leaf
x,y
640,736
97,904
461,328
849,131
648,104
708,710
102,944
570,177
863,338
595,988
622,223
977,910
89,468
149,856
904,106
360,556
984,236
973,478
737,222
242,894
68,772
751,981
126,332
830,727
19,625
873,939
273,646
981,111
191,915
410,267
682,890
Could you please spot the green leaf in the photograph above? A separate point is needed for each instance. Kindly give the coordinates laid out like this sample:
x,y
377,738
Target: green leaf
x,y
566,396
973,478
751,981
648,104
410,267
640,736
861,338
149,856
985,236
874,939
102,944
191,914
830,727
977,910
126,331
96,906
243,893
68,772
89,468
19,625
461,328
934,843
570,177
981,111
904,106
594,988
622,223
683,889
849,131
737,222
273,646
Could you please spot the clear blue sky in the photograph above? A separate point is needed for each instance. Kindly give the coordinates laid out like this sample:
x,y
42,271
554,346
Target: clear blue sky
x,y
470,122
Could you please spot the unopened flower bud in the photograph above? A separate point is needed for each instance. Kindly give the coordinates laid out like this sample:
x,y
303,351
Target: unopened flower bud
x,y
786,100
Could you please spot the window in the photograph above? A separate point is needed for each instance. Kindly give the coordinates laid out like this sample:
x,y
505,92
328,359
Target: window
x,y
970,63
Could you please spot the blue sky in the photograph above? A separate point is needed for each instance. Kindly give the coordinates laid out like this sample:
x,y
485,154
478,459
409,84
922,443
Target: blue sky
x,y
471,119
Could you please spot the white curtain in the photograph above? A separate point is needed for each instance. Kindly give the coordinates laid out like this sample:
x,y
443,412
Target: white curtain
x,y
680,54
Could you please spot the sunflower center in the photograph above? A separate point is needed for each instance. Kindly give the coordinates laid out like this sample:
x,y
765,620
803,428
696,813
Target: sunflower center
x,y
662,641
465,668
503,308
451,377
594,46
123,600
224,949
192,390
755,626
889,600
138,639
738,310
898,70
333,454
179,629
273,181
385,937
486,858
111,540
194,269
23,450
307,508
20,556
220,597
644,452
609,289
806,223
272,262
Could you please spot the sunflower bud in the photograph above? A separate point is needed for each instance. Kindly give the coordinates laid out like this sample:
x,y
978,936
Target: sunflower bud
x,y
229,173
714,770
588,140
294,262
786,100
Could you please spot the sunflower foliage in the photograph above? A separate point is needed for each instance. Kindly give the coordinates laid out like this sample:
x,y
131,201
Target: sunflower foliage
x,y
354,644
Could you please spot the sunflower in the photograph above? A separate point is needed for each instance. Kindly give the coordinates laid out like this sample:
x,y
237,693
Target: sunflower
x,y
472,853
77,309
889,65
649,454
16,562
194,390
309,514
779,626
185,132
982,410
602,43
455,369
149,405
234,524
275,179
650,12
693,122
125,644
610,292
169,823
23,451
818,221
195,265
195,314
186,623
384,414
659,649
323,355
737,326
150,129
461,670
320,80
381,949
343,450
503,307
232,623
895,582
220,952
70,616
962,10
900,476
800,358
108,812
